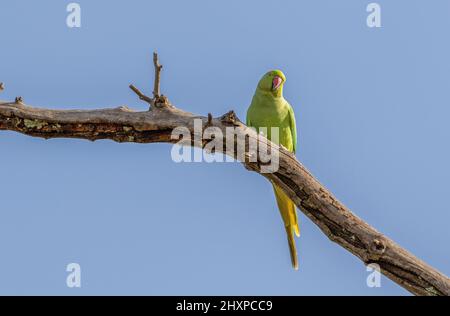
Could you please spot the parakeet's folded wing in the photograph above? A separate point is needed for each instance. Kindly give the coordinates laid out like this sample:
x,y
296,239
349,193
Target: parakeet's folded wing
x,y
293,127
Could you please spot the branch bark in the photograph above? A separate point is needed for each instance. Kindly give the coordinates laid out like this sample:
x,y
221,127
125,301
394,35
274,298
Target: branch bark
x,y
335,220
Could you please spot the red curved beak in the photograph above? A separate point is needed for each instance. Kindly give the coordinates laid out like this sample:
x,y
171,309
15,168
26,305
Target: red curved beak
x,y
276,83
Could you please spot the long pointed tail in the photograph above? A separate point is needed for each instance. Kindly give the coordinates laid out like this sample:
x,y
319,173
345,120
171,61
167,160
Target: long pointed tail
x,y
292,248
288,212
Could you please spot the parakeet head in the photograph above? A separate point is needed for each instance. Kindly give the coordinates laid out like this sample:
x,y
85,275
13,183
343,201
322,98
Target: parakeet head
x,y
272,83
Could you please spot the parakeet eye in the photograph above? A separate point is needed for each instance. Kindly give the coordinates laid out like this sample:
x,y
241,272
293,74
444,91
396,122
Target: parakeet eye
x,y
276,82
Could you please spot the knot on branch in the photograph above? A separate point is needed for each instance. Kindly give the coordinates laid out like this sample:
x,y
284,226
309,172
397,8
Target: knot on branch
x,y
18,100
378,247
230,118
209,122
161,101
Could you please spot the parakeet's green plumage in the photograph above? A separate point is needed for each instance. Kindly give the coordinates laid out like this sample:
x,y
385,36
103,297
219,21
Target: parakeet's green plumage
x,y
269,109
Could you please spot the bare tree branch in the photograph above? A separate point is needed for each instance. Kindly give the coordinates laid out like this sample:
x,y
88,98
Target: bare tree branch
x,y
335,220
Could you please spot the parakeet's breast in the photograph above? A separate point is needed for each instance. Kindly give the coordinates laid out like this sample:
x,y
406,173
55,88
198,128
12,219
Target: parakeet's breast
x,y
265,114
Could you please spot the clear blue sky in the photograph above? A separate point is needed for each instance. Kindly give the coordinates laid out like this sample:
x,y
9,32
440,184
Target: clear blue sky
x,y
372,108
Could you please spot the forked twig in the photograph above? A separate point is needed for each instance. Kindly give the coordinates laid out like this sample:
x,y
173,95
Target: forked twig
x,y
158,99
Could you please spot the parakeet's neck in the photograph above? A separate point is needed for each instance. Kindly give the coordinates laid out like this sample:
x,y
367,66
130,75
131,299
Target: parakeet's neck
x,y
265,96
278,93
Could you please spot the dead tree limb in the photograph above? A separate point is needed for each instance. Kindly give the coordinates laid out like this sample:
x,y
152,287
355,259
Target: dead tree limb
x,y
334,219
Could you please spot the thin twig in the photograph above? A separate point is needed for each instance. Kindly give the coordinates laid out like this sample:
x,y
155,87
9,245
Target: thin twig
x,y
142,96
156,84
158,99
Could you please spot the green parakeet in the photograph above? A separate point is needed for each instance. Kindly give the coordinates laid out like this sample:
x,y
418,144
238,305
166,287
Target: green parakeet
x,y
269,109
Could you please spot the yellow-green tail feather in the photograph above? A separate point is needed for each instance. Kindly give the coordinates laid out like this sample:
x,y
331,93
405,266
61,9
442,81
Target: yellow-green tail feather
x,y
288,212
292,248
